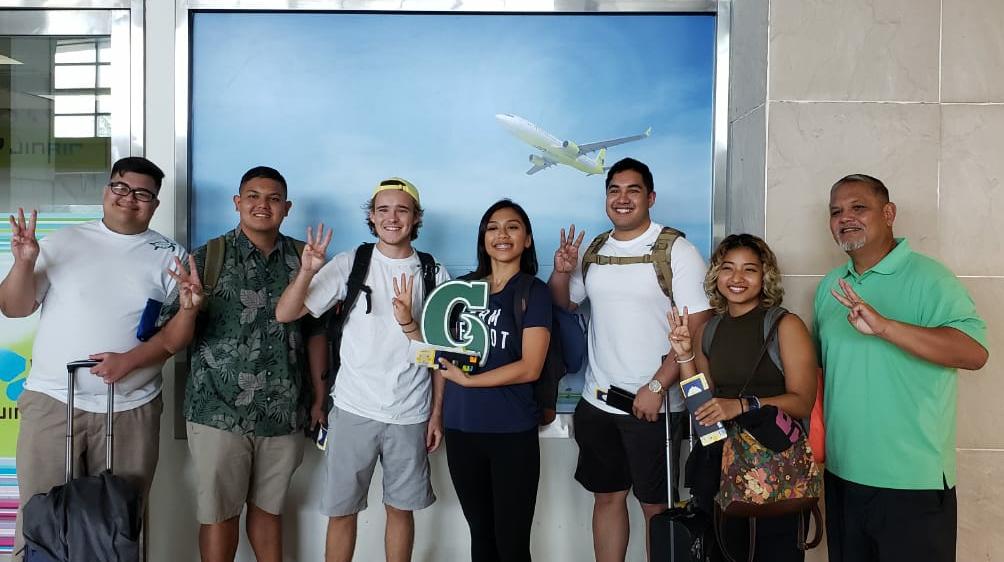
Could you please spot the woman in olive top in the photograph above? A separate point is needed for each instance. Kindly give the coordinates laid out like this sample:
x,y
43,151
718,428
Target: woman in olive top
x,y
743,283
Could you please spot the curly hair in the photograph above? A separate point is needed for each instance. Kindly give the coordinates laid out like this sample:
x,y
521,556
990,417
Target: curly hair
x,y
771,292
370,206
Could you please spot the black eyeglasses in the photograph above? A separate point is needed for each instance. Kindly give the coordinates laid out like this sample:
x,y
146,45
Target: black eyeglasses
x,y
123,189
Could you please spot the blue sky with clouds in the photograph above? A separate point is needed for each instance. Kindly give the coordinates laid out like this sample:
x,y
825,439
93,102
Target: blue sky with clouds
x,y
339,101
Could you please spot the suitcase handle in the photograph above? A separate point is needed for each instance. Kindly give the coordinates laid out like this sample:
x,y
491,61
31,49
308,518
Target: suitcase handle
x,y
71,371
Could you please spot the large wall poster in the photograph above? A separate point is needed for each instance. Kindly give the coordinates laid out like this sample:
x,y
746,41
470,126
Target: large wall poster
x,y
470,107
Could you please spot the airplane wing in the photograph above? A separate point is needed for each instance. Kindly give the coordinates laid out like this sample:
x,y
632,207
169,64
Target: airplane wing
x,y
594,146
539,163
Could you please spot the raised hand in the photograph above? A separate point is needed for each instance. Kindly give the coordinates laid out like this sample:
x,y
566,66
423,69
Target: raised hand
x,y
679,333
402,300
862,316
566,257
189,283
23,243
316,248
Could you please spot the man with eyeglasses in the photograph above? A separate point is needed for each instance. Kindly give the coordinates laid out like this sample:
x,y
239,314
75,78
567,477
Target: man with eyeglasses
x,y
92,283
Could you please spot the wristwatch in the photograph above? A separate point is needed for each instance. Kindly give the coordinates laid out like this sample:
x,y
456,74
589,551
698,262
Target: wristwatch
x,y
655,386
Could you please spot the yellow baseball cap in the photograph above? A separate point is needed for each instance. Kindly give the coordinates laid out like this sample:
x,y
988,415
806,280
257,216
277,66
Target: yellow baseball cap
x,y
398,184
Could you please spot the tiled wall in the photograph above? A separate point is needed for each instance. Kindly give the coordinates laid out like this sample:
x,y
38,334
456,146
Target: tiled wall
x,y
910,91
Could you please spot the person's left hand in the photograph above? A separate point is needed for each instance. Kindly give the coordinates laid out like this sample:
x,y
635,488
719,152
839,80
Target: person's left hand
x,y
112,367
453,373
189,285
646,404
717,410
862,316
434,433
317,416
402,300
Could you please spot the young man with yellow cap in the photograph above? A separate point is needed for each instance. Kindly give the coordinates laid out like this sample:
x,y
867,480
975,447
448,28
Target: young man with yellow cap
x,y
382,407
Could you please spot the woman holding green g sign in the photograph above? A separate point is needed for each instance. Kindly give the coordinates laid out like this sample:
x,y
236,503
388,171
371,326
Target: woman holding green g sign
x,y
491,415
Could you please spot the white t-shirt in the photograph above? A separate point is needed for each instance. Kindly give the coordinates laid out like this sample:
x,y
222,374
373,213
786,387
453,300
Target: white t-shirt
x,y
93,285
628,327
377,378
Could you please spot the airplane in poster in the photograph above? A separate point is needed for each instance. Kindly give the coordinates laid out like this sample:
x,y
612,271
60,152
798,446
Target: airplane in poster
x,y
554,151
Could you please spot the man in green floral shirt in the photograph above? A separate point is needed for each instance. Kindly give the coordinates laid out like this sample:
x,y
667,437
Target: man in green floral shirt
x,y
249,395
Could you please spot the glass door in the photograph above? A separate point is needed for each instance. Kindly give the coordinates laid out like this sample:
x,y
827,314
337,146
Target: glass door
x,y
64,117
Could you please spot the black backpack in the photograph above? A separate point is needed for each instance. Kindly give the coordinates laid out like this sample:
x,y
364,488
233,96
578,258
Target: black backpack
x,y
357,284
565,353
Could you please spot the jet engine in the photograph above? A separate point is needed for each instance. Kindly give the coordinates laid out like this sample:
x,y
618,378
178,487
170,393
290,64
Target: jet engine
x,y
537,160
570,148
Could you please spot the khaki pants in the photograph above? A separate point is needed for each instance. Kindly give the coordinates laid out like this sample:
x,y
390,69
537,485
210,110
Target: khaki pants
x,y
41,446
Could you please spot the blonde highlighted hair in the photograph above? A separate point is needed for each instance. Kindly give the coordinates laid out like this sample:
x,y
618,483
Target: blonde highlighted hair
x,y
771,292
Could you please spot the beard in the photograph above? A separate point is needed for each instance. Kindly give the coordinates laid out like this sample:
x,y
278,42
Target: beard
x,y
852,245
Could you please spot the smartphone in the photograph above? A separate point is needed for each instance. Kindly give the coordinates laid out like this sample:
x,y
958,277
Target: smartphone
x,y
321,438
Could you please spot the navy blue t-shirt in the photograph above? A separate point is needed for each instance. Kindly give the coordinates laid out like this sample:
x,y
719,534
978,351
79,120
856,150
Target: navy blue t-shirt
x,y
500,409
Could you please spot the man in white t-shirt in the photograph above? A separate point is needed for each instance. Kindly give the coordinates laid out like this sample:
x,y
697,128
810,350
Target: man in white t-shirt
x,y
93,283
382,408
628,348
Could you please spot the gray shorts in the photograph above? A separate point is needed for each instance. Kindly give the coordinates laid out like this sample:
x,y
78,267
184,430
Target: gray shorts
x,y
233,469
354,445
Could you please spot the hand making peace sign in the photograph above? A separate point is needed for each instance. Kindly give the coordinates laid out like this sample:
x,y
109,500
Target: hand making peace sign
x,y
862,316
566,257
189,283
23,243
314,251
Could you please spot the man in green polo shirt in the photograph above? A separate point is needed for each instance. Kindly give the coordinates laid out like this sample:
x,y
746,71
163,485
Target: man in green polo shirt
x,y
892,326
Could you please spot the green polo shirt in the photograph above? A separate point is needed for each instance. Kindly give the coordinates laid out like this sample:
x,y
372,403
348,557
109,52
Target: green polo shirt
x,y
890,416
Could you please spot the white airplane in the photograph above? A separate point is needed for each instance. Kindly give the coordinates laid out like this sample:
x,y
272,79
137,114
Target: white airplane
x,y
554,151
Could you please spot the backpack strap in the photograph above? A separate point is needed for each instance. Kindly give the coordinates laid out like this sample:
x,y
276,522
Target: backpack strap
x,y
592,252
660,257
216,251
429,270
520,300
772,318
710,327
299,245
357,279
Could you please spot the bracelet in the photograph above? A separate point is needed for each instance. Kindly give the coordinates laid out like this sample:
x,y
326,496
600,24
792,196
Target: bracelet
x,y
409,331
412,321
742,405
692,356
753,401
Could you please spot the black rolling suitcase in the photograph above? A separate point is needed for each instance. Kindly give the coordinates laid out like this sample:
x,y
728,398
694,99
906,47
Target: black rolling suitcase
x,y
679,533
89,518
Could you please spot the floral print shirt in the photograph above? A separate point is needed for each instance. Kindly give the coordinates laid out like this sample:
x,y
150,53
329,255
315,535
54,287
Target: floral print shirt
x,y
249,373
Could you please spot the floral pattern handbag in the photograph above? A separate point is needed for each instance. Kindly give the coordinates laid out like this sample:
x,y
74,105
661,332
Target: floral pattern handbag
x,y
758,482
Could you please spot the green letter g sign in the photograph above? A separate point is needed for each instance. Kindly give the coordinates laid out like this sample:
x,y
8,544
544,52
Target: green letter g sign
x,y
436,316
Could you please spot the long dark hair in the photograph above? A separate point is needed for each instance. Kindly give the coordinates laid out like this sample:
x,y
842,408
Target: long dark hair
x,y
527,261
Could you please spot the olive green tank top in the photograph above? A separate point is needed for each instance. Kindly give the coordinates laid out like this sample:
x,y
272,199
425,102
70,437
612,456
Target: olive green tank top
x,y
732,355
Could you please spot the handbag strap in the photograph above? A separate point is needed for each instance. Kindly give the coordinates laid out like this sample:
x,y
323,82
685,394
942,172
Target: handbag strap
x,y
720,536
763,351
801,542
803,528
